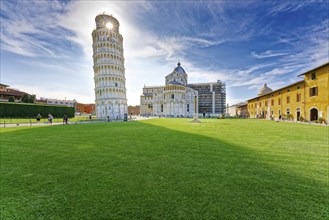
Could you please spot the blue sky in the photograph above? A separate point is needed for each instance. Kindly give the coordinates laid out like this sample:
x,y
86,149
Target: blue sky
x,y
46,46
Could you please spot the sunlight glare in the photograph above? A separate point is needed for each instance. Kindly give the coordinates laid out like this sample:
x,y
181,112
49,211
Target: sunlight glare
x,y
109,25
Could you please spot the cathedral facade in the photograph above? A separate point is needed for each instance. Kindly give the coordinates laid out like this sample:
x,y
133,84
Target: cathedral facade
x,y
177,98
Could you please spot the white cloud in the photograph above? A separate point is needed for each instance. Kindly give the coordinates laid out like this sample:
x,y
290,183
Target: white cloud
x,y
287,6
197,41
268,53
251,69
26,26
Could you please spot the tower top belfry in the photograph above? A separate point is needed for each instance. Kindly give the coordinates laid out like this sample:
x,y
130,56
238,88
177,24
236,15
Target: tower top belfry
x,y
102,21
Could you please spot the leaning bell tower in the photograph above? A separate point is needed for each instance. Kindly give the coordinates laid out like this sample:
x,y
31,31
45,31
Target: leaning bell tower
x,y
109,71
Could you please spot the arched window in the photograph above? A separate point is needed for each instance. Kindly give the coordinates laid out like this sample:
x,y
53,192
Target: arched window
x,y
298,97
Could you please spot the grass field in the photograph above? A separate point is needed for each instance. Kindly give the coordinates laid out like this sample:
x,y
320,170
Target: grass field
x,y
166,169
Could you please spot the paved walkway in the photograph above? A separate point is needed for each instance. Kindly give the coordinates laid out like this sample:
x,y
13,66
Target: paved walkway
x,y
7,125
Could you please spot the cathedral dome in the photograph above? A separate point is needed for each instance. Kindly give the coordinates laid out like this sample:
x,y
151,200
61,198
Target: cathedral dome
x,y
179,69
265,90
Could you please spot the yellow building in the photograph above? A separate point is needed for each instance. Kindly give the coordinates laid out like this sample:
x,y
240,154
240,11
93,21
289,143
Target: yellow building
x,y
307,99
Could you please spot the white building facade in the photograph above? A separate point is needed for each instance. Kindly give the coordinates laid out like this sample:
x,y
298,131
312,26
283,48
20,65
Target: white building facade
x,y
109,71
175,99
68,103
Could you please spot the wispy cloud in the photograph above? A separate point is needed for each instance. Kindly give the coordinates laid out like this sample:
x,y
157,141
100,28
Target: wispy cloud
x,y
309,47
268,53
29,30
254,68
287,6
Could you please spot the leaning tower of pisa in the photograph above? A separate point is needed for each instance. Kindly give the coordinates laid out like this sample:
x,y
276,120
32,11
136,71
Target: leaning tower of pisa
x,y
109,71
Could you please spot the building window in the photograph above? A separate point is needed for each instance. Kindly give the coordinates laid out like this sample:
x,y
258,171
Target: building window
x,y
314,91
288,99
298,97
298,87
161,108
188,107
279,101
116,84
266,103
288,90
272,102
288,111
260,104
172,96
313,76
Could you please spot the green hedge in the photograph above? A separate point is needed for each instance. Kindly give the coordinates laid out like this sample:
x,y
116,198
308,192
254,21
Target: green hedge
x,y
23,110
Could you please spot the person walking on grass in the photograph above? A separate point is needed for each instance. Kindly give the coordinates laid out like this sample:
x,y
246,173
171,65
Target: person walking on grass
x,y
50,119
65,119
38,117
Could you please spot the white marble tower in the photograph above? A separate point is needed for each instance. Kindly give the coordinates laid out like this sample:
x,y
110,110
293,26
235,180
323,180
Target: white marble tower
x,y
109,71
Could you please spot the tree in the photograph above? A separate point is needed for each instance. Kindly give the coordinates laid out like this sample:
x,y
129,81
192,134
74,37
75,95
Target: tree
x,y
27,98
11,99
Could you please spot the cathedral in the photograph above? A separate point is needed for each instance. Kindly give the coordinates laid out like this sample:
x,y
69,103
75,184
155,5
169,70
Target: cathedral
x,y
177,98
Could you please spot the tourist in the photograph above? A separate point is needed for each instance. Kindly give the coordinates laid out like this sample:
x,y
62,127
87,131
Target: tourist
x,y
38,117
65,119
50,119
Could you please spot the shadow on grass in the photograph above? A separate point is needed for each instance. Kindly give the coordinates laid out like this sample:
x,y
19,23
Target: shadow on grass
x,y
137,171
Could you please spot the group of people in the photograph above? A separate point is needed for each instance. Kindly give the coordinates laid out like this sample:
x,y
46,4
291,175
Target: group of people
x,y
50,118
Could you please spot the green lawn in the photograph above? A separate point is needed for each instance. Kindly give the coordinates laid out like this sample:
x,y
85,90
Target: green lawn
x,y
166,169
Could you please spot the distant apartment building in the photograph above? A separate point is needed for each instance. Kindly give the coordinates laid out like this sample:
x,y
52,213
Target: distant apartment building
x,y
69,103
